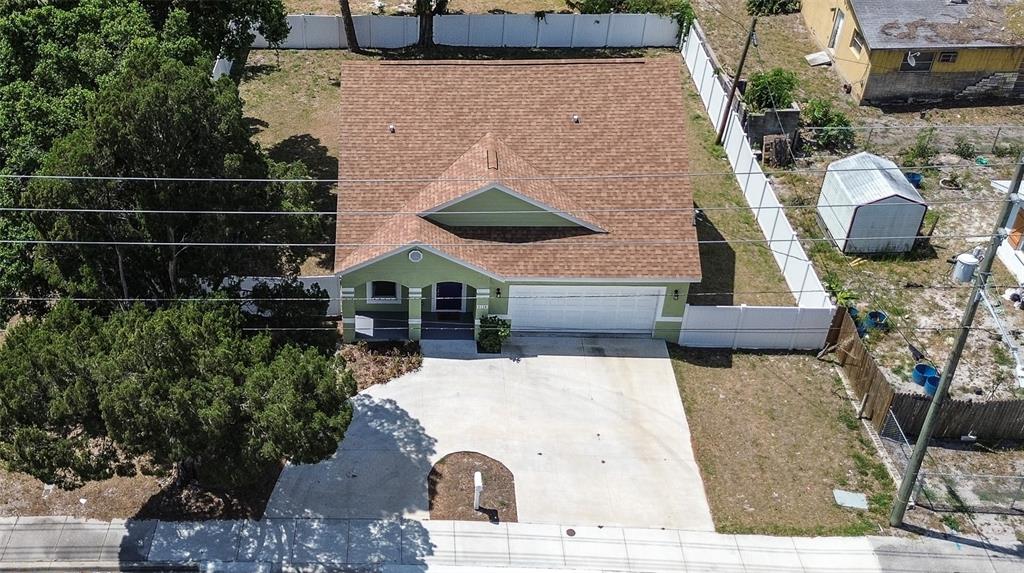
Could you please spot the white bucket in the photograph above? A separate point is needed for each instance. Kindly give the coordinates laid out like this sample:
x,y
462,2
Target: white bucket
x,y
964,269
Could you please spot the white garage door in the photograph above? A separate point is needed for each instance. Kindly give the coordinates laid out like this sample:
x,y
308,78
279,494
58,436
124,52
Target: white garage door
x,y
598,309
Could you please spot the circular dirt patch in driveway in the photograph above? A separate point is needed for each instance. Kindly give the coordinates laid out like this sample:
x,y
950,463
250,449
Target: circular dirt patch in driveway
x,y
450,486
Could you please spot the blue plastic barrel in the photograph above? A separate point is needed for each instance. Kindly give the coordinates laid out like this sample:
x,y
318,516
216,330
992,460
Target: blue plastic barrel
x,y
915,179
922,372
877,320
931,384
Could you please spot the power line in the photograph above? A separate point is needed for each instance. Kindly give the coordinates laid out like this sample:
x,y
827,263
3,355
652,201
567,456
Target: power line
x,y
592,177
487,245
87,210
244,300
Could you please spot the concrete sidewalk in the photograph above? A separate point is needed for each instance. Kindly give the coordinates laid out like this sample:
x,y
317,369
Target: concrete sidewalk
x,y
399,545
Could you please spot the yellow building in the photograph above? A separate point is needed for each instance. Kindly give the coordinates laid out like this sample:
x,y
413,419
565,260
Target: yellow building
x,y
891,51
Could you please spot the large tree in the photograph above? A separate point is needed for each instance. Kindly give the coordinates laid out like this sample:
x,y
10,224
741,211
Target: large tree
x,y
225,27
350,26
82,398
426,10
53,58
161,118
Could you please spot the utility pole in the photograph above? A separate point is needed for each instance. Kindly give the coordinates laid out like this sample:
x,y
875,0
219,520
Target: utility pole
x,y
899,508
736,83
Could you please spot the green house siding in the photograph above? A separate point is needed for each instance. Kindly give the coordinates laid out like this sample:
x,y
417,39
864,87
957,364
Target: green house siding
x,y
495,208
398,268
433,269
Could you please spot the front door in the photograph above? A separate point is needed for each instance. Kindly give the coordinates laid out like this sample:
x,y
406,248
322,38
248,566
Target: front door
x,y
448,297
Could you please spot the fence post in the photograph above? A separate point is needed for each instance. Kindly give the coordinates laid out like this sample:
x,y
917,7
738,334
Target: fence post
x,y
739,325
1020,490
995,142
796,331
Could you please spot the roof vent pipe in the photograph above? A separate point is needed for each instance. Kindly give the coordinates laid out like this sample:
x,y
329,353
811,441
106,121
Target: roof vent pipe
x,y
391,128
575,118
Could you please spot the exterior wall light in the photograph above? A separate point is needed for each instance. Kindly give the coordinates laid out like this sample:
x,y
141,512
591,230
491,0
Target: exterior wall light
x,y
675,294
497,292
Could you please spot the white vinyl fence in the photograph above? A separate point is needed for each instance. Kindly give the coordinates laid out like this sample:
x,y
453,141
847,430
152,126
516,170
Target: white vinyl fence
x,y
802,327
484,31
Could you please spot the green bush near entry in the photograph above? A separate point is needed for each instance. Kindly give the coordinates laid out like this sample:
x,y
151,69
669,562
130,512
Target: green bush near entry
x,y
493,332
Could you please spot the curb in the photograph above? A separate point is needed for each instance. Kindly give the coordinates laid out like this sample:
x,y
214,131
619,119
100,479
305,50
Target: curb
x,y
98,566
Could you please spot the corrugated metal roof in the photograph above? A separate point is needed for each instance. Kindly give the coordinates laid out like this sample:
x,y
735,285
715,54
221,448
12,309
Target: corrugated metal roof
x,y
868,178
905,24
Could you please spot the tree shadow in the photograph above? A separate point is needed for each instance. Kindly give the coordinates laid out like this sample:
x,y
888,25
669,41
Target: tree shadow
x,y
309,151
195,501
254,71
378,472
348,509
255,125
718,266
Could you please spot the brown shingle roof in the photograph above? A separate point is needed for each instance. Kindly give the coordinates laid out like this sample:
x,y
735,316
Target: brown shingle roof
x,y
445,113
487,162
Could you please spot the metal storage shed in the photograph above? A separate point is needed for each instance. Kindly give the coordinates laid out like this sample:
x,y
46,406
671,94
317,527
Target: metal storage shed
x,y
868,206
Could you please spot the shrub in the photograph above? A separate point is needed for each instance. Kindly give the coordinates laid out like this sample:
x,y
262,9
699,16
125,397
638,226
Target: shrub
x,y
770,90
964,148
772,7
679,10
836,132
1014,150
923,150
493,331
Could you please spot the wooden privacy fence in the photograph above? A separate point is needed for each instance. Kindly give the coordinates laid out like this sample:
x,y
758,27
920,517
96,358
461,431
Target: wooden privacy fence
x,y
998,419
867,379
1002,419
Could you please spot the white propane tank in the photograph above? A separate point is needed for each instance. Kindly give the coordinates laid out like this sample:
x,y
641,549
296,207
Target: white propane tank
x,y
963,271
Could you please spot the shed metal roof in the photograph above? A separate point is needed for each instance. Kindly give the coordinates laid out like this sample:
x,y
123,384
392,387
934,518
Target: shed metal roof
x,y
906,24
868,178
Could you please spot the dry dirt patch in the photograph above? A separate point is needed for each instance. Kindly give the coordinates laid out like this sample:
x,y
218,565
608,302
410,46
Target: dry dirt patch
x,y
773,435
140,496
450,486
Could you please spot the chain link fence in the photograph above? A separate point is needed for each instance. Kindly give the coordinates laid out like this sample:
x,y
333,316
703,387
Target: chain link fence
x,y
941,488
994,142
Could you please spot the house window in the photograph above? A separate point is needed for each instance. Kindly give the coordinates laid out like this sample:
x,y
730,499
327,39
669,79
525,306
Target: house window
x,y
837,29
948,57
917,61
382,292
857,43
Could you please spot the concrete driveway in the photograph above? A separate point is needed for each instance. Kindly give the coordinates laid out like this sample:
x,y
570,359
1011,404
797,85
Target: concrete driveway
x,y
592,429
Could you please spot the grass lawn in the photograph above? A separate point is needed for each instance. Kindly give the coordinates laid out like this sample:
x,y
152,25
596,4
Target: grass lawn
x,y
773,435
727,268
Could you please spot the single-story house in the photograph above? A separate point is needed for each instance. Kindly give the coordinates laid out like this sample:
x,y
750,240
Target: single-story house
x,y
892,51
1011,250
547,192
866,205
